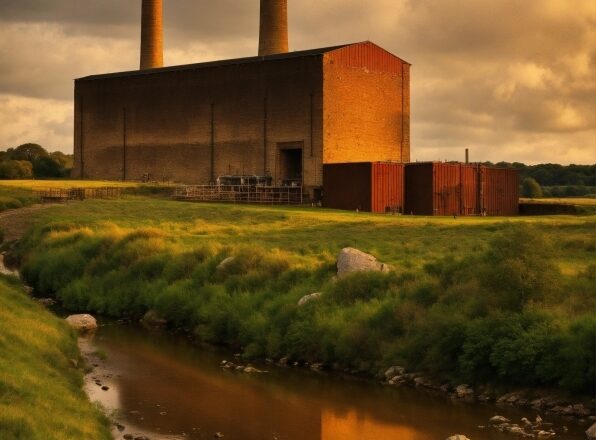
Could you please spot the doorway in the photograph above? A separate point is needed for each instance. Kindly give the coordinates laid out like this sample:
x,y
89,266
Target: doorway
x,y
290,165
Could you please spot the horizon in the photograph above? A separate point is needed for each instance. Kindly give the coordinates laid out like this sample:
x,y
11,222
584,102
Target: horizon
x,y
480,79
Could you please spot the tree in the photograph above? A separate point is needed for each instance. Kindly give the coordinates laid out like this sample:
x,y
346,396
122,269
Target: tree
x,y
46,167
531,188
28,152
16,169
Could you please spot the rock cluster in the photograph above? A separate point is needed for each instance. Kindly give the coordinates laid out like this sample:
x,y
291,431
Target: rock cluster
x,y
537,429
227,365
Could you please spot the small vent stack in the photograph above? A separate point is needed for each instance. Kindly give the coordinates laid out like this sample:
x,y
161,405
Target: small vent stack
x,y
152,34
273,32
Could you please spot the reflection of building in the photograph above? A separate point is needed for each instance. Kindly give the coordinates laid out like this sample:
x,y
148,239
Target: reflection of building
x,y
281,114
351,426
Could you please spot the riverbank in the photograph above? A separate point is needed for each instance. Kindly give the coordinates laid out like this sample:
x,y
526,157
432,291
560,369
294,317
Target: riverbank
x,y
504,302
41,395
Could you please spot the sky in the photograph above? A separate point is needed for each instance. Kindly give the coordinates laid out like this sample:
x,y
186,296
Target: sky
x,y
512,80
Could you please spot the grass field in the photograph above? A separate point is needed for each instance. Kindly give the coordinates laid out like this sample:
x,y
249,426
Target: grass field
x,y
482,300
579,201
41,394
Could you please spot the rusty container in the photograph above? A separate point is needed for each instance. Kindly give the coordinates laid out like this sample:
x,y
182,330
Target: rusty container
x,y
500,191
365,186
435,188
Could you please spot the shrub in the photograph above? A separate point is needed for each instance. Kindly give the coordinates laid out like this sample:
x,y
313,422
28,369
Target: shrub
x,y
531,188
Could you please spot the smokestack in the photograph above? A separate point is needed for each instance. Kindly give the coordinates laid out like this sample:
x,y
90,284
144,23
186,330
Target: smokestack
x,y
467,155
152,34
273,32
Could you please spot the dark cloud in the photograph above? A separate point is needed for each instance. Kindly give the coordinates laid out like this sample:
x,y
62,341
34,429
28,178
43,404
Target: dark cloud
x,y
515,78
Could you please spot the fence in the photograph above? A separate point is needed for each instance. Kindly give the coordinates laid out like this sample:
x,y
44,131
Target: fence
x,y
66,194
266,195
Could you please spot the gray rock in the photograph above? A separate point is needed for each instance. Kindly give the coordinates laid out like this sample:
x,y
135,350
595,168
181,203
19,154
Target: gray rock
x,y
591,432
457,437
497,420
152,318
464,391
308,298
225,264
394,371
46,302
82,323
352,260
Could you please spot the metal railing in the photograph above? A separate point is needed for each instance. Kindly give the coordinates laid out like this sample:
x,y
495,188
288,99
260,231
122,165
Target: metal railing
x,y
266,195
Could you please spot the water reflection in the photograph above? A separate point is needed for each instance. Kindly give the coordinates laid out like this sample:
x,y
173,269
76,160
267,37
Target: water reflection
x,y
163,386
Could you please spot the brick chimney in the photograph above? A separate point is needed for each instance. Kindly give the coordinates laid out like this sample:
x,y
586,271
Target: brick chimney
x,y
273,32
152,34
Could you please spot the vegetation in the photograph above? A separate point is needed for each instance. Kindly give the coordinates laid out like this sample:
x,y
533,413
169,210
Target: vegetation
x,y
531,188
41,394
504,301
31,160
558,180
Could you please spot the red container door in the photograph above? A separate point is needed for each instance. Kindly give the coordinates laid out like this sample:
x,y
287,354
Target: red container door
x,y
387,186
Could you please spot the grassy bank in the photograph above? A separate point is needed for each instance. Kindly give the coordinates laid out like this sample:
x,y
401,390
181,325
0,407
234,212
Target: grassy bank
x,y
41,396
480,300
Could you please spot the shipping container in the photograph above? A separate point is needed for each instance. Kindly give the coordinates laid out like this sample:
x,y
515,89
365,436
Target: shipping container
x,y
364,186
434,188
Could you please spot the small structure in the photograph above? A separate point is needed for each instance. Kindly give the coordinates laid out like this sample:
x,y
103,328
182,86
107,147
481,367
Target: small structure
x,y
364,186
435,188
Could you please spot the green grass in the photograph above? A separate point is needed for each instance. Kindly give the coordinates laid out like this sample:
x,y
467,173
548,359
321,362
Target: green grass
x,y
41,396
501,300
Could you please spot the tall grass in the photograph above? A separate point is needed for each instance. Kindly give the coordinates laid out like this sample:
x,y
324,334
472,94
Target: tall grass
x,y
41,396
505,302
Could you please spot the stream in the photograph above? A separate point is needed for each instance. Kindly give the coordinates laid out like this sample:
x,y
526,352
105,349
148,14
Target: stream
x,y
163,387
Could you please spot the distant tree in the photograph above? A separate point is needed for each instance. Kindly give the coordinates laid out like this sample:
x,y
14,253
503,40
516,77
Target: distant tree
x,y
531,188
65,160
28,152
45,167
16,169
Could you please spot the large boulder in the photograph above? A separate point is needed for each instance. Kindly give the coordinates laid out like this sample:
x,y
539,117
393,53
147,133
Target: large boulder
x,y
153,319
82,323
352,260
591,432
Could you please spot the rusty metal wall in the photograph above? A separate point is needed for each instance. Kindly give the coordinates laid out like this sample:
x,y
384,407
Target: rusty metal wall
x,y
366,186
387,187
347,186
368,55
500,191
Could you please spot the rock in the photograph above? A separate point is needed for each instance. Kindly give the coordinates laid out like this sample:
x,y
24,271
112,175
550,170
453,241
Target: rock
x,y
352,260
394,371
283,361
580,410
82,323
28,290
152,318
225,264
457,437
74,363
308,298
218,435
252,370
46,302
119,427
526,422
316,367
128,437
464,391
591,432
515,430
497,420
105,387
538,420
545,434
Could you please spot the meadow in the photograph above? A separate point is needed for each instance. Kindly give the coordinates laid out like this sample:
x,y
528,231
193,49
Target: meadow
x,y
41,394
502,301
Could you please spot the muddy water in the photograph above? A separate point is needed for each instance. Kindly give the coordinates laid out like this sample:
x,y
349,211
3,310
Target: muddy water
x,y
163,387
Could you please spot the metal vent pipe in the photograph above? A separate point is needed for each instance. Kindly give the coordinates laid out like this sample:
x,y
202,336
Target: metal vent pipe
x,y
152,34
273,31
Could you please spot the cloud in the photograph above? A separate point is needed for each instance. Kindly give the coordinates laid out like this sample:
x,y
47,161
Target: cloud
x,y
516,79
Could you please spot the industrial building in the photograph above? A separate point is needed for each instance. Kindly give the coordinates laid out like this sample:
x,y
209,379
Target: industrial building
x,y
279,114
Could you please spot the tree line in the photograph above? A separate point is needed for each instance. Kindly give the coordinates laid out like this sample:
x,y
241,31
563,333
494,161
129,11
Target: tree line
x,y
32,161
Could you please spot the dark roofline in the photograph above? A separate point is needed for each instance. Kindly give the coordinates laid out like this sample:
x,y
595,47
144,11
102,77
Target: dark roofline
x,y
231,62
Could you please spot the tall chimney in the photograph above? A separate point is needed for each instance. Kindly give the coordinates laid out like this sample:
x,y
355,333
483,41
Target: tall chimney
x,y
273,32
152,34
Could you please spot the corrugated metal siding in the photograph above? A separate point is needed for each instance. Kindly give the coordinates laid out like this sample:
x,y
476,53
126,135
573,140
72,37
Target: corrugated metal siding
x,y
347,186
367,55
460,189
500,191
387,187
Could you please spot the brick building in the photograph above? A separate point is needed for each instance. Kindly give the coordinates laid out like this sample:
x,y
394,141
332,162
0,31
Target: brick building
x,y
281,115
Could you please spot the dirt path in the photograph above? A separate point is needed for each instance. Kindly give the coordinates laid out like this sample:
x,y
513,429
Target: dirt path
x,y
15,222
